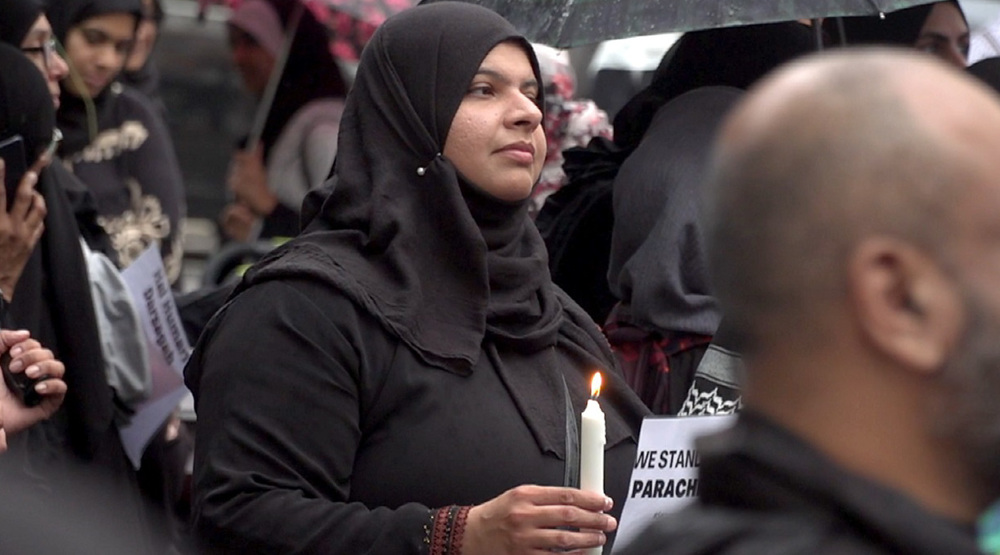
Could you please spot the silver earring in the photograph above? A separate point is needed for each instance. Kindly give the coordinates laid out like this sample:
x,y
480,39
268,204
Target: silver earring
x,y
421,171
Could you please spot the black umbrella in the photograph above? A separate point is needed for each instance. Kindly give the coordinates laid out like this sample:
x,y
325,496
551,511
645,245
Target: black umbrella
x,y
568,23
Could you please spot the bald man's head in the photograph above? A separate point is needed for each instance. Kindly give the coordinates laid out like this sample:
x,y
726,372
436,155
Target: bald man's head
x,y
830,150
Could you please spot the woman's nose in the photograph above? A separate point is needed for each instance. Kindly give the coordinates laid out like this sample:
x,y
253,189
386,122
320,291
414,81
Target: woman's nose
x,y
525,112
58,68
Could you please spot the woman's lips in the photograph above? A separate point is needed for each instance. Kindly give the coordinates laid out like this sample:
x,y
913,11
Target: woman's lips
x,y
523,153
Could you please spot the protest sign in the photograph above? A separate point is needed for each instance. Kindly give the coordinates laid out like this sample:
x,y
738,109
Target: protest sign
x,y
665,473
168,348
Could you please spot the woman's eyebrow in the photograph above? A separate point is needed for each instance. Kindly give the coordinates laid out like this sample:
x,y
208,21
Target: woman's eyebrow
x,y
532,82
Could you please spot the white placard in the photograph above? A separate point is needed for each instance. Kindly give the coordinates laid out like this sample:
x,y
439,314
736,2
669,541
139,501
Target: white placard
x,y
168,347
665,472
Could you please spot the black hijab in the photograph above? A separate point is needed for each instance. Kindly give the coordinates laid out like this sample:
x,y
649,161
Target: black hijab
x,y
18,17
988,71
74,115
310,73
25,103
436,260
450,270
657,266
65,14
729,57
901,27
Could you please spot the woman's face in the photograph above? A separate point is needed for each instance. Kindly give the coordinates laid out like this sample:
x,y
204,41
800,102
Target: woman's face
x,y
97,48
253,61
39,47
945,34
496,140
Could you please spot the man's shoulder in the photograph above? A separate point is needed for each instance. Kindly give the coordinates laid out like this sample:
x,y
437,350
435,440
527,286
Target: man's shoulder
x,y
700,530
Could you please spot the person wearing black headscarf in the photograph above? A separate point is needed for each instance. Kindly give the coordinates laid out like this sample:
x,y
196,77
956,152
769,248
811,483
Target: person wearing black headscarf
x,y
299,139
26,112
54,300
407,356
667,315
114,140
938,28
577,220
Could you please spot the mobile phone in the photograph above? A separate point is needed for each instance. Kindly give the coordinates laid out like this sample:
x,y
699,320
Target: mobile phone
x,y
20,386
15,165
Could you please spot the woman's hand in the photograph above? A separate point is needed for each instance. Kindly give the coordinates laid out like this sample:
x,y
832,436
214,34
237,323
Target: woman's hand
x,y
525,520
248,181
20,229
28,356
237,221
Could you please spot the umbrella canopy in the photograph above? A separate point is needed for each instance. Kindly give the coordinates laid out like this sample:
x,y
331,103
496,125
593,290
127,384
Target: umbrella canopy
x,y
569,23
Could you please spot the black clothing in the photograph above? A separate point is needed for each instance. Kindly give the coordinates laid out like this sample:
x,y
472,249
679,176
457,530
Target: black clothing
x,y
407,351
577,220
64,14
320,432
576,223
763,490
117,144
25,104
131,169
18,17
53,301
406,245
658,264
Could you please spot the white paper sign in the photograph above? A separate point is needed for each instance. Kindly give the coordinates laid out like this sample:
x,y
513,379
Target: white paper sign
x,y
168,350
665,473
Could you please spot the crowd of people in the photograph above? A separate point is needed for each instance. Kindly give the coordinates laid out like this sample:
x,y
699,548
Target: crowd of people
x,y
458,243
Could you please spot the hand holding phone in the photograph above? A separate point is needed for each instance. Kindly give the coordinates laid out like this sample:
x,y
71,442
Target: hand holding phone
x,y
20,386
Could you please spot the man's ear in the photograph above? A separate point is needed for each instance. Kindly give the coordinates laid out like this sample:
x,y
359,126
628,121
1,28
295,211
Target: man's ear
x,y
905,304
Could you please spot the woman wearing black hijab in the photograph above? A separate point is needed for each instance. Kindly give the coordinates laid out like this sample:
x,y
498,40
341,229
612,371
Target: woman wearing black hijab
x,y
938,28
114,140
25,111
382,382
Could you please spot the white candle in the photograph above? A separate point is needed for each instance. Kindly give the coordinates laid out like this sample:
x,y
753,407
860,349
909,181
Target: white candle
x,y
592,439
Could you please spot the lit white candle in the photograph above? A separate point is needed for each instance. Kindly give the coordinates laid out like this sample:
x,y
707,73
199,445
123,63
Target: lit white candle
x,y
592,439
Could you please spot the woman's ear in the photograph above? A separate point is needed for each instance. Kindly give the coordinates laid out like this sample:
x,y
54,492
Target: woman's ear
x,y
906,305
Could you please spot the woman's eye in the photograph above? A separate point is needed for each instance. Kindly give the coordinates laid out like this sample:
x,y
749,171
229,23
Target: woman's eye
x,y
481,90
93,38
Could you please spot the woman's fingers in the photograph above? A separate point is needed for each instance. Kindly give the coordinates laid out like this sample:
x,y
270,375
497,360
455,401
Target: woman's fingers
x,y
25,195
528,518
553,516
548,495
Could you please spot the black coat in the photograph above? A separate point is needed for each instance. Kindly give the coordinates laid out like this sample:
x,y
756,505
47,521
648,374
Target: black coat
x,y
364,438
764,491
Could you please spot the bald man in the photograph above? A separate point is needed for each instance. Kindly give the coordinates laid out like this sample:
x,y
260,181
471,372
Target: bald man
x,y
854,241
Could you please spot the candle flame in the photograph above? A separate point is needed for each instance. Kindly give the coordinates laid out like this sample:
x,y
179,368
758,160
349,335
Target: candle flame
x,y
595,385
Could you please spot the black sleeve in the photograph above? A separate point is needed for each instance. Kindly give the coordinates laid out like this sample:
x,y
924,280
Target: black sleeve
x,y
278,380
282,222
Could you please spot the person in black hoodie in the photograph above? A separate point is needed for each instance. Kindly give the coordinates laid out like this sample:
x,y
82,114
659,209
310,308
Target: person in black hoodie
x,y
113,139
390,380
